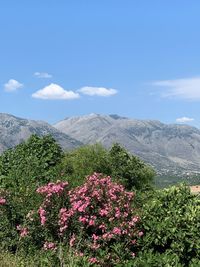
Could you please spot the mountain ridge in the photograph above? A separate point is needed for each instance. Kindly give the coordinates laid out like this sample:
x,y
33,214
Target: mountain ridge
x,y
14,130
171,147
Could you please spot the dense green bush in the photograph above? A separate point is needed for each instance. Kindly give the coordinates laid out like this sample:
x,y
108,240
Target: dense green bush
x,y
22,170
123,167
84,161
128,169
32,161
171,223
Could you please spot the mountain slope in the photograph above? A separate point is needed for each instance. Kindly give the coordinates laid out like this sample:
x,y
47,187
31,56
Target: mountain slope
x,y
14,130
166,147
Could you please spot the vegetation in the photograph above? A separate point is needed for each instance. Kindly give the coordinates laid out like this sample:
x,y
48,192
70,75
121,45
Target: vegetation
x,y
91,207
123,167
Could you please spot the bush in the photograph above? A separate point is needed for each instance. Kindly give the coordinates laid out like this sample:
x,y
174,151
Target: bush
x,y
96,220
22,170
84,161
34,161
116,162
128,169
171,223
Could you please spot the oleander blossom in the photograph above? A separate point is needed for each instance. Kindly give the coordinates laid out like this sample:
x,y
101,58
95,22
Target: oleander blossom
x,y
90,217
52,188
22,230
49,246
2,201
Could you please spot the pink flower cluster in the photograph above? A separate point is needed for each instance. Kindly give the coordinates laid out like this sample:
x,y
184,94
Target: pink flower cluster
x,y
49,246
52,188
23,230
100,210
2,201
48,191
103,209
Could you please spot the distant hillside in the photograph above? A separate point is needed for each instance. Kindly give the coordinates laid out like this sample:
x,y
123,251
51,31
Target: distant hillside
x,y
169,148
15,130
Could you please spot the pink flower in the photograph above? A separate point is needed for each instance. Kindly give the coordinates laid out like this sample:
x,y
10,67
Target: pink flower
x,y
117,231
2,201
91,222
24,232
42,213
95,237
72,240
49,246
140,234
93,260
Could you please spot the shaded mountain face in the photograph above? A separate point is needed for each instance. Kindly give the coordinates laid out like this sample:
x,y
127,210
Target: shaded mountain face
x,y
169,148
15,130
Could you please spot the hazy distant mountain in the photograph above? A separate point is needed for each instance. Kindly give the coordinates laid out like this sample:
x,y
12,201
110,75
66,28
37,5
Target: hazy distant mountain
x,y
15,130
167,147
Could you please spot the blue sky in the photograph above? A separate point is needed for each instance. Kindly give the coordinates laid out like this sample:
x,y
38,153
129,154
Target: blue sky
x,y
139,59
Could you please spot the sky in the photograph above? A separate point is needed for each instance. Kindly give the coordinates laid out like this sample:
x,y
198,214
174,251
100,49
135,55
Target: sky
x,y
139,59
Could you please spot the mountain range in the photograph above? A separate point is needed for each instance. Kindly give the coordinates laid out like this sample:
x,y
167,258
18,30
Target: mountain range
x,y
14,130
170,148
173,148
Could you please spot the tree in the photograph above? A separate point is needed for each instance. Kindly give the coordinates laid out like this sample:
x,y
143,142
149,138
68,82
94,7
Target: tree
x,y
128,169
116,162
84,161
23,169
35,161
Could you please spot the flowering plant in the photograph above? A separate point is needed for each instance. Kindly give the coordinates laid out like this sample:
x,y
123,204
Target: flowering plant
x,y
91,218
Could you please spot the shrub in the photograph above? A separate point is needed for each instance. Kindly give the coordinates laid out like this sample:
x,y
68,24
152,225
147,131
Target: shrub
x,y
84,161
116,162
128,169
34,161
22,170
171,222
95,220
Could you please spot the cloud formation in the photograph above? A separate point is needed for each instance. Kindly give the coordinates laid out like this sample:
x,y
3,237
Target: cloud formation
x,y
184,120
55,91
188,88
97,91
43,75
12,85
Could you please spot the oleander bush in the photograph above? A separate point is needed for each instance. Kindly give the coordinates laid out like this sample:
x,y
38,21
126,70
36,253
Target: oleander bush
x,y
96,220
51,215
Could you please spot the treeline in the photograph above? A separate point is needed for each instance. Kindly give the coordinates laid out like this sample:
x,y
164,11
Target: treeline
x,y
92,206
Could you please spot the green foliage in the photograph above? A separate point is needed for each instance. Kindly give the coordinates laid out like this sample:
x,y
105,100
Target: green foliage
x,y
34,160
84,161
116,162
22,169
128,169
149,259
171,222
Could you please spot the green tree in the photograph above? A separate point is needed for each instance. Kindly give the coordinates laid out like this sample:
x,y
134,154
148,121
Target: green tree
x,y
84,161
22,170
116,162
35,160
128,169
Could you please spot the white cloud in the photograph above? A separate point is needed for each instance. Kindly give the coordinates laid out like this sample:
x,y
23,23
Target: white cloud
x,y
55,91
184,120
97,91
12,85
188,88
43,75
